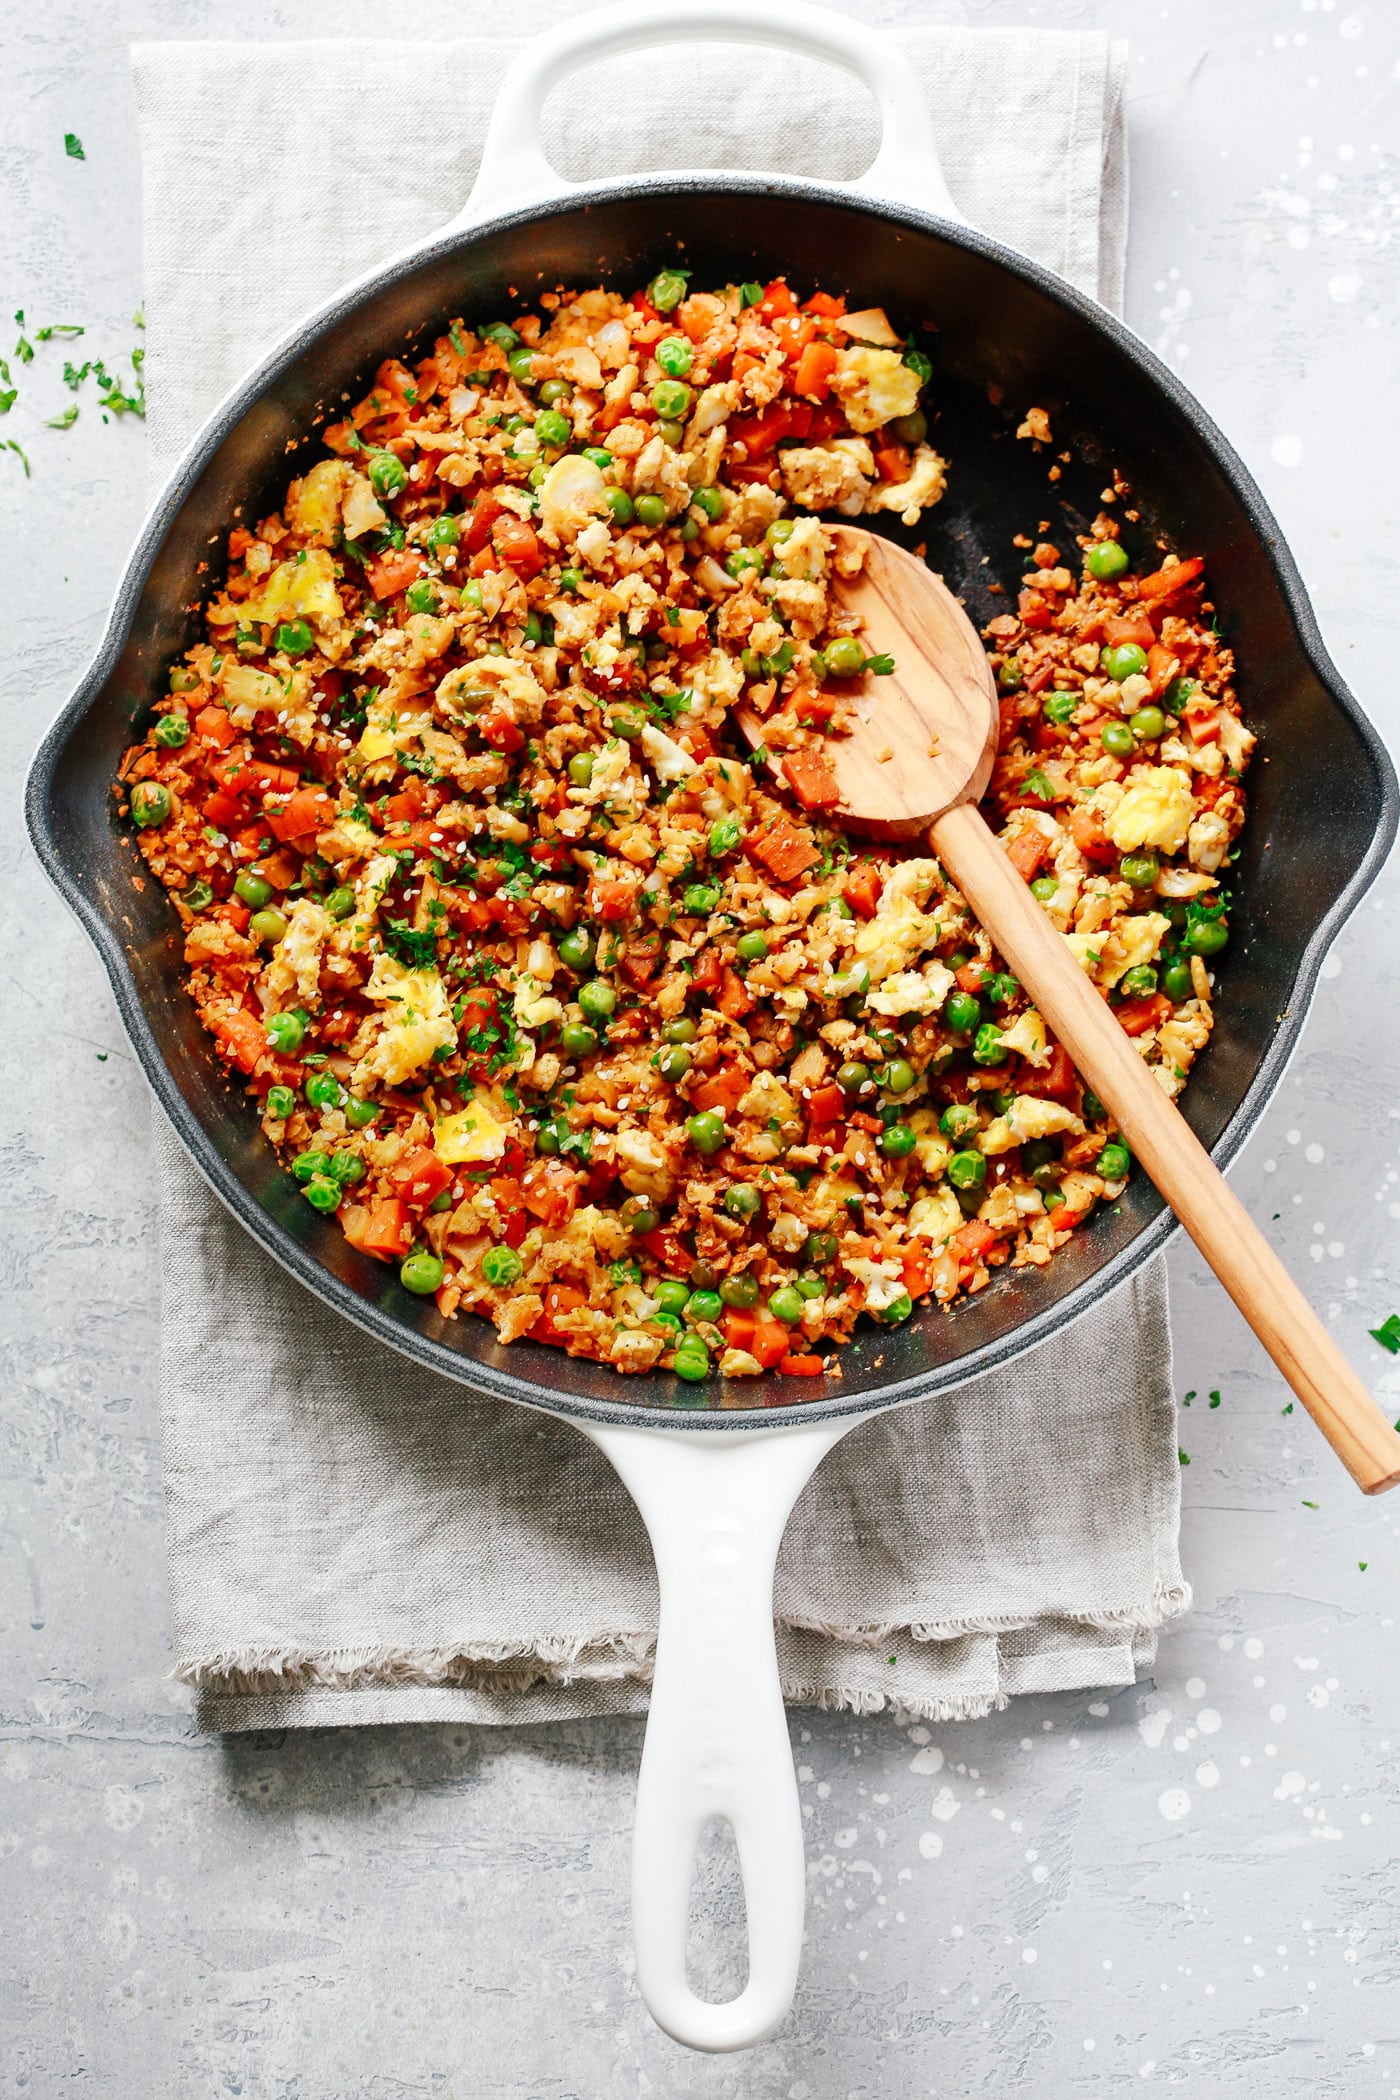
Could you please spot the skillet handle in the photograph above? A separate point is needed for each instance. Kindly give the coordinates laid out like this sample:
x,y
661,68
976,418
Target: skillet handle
x,y
514,171
717,1746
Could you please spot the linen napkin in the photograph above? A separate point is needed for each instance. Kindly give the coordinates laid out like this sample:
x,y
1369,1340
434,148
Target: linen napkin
x,y
351,1539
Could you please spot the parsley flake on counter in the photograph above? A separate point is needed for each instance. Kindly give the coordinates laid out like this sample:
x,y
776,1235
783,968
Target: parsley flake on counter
x,y
1387,1334
11,446
73,146
65,421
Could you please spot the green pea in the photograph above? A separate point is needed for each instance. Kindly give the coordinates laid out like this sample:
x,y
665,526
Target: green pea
x,y
1010,676
673,1062
742,1202
1177,694
440,1204
1126,661
253,890
150,804
183,679
294,638
911,430
1206,937
688,529
553,430
896,1311
1147,724
307,1165
324,1090
1118,740
388,475
1045,887
742,560
472,594
286,1032
700,897
819,1248
669,431
443,532
691,1360
740,1291
577,949
578,1040
171,731
988,1048
347,1168
1176,980
639,1217
667,289
962,1012
724,837
897,1140
703,1305
967,1170
844,658
854,1078
899,1075
601,458
1138,983
1114,1162
322,1193
597,998
552,393
786,1305
958,1120
571,581
497,332
281,1103
341,901
651,511
621,506
680,1031
751,947
269,925
1105,560
675,356
706,1131
421,1273
360,1114
1060,706
521,364
671,1295
501,1267
422,597
1094,1110
710,501
1139,870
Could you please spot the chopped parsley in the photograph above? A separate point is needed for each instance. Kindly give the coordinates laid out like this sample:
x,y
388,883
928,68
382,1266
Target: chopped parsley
x,y
1387,1334
73,146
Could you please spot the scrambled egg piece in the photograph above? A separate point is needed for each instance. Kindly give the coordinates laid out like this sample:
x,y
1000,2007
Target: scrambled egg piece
x,y
313,503
534,1008
768,1098
1027,1036
375,743
935,1217
823,478
1155,810
1138,938
1027,1118
471,1136
899,931
914,991
874,386
667,757
303,588
418,1023
919,491
248,693
297,961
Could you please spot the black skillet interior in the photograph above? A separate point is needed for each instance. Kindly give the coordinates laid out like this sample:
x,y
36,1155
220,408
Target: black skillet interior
x,y
1004,337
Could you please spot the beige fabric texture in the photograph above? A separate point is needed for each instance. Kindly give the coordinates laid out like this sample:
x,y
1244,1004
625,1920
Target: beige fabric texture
x,y
352,1540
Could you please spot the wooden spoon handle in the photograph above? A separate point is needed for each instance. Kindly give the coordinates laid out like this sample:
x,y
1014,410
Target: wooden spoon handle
x,y
1178,1163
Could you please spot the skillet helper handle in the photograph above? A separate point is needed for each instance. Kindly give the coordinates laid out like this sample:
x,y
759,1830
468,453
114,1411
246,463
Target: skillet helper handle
x,y
514,170
717,1742
1174,1157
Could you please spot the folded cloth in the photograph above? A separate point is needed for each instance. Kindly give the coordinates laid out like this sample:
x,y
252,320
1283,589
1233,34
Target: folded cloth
x,y
352,1539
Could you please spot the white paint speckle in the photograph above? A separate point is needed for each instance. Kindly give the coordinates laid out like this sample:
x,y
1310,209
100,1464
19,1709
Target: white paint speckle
x,y
1174,1803
930,1845
1153,1727
1195,1688
1254,1648
1208,1720
1344,287
1208,1774
1287,451
1291,1784
1029,1956
930,1760
1314,1155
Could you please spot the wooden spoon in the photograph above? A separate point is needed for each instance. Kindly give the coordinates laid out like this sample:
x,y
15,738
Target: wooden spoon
x,y
917,762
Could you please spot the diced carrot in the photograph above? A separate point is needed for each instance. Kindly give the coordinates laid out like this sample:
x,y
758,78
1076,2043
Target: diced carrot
x,y
666,1248
550,1190
827,422
827,1105
781,419
1120,628
482,516
233,914
1162,665
393,571
1204,724
917,1274
308,810
242,1039
1136,1016
1027,854
771,1341
388,1232
861,1121
812,778
212,726
802,1366
749,473
612,899
777,299
1163,582
892,462
515,542
239,541
737,1327
558,1298
1091,838
972,1241
706,974
1057,1081
969,977
814,369
862,887
786,852
256,776
825,304
421,1175
733,997
225,811
723,1090
1035,611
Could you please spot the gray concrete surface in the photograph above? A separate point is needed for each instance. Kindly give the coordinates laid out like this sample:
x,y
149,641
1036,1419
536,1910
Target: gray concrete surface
x,y
1189,1884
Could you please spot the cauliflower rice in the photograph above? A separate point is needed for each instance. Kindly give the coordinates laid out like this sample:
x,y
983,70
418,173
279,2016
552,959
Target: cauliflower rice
x,y
583,1016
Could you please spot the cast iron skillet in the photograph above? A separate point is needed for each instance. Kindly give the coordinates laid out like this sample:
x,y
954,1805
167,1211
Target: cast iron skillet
x,y
1004,334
